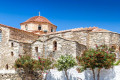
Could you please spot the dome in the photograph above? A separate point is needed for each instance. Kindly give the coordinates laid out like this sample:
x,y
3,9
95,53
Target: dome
x,y
38,19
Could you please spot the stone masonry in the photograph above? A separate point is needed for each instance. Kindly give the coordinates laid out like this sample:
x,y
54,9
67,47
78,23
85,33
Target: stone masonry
x,y
38,36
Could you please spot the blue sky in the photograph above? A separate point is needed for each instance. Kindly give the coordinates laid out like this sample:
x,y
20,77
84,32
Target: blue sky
x,y
66,14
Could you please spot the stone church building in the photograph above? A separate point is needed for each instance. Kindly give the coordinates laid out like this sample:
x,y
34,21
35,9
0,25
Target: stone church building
x,y
39,37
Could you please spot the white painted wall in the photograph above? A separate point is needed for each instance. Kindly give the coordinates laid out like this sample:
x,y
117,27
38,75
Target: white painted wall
x,y
106,74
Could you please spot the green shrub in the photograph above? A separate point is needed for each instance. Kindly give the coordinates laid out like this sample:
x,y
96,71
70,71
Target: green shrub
x,y
117,63
28,64
80,69
25,62
101,57
65,62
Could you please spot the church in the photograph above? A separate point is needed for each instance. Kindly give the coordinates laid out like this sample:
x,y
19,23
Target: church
x,y
39,37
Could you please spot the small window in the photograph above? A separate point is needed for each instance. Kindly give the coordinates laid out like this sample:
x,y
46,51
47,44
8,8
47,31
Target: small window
x,y
12,54
51,29
6,66
26,27
12,44
54,46
0,35
113,48
39,27
36,49
45,31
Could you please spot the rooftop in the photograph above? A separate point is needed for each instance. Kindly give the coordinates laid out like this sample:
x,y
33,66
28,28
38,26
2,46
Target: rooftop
x,y
40,19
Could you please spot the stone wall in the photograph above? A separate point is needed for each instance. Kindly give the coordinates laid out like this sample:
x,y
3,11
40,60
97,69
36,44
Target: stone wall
x,y
63,47
79,36
89,39
38,44
19,74
5,49
108,38
46,48
9,76
22,36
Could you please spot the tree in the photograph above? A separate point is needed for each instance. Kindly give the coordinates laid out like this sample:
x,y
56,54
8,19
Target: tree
x,y
101,57
64,63
44,64
26,63
29,65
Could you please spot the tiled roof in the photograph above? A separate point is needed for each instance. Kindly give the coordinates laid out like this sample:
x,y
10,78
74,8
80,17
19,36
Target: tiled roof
x,y
38,19
38,32
91,29
17,29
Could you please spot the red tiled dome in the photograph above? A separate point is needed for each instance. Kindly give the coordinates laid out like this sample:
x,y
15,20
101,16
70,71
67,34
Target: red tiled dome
x,y
38,19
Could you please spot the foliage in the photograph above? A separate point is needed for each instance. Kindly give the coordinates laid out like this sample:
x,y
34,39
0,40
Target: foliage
x,y
80,69
117,63
29,65
65,62
101,57
43,64
25,62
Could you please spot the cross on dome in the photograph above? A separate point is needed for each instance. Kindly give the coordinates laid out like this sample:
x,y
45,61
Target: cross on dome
x,y
39,13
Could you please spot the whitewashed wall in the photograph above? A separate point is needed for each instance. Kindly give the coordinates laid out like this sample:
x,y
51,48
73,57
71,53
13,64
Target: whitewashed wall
x,y
106,74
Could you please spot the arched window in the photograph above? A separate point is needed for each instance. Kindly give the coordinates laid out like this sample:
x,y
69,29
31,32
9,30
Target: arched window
x,y
51,29
39,27
54,46
6,66
26,27
0,35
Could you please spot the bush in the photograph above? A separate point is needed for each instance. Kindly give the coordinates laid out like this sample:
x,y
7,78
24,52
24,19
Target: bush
x,y
28,64
117,63
44,63
101,57
25,62
65,62
80,69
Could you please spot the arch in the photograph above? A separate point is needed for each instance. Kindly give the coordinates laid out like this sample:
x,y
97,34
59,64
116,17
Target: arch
x,y
39,27
0,35
54,46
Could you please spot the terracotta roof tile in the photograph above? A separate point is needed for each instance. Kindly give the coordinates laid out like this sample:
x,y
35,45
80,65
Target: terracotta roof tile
x,y
17,29
91,29
38,32
38,19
